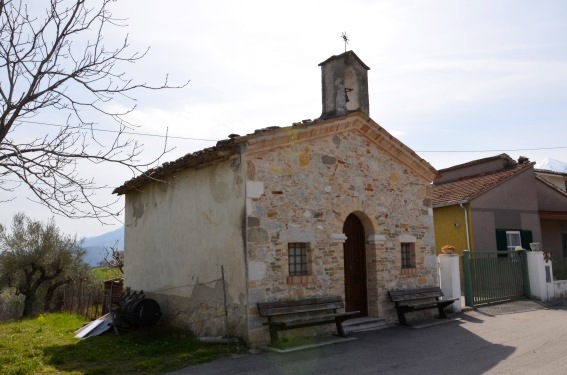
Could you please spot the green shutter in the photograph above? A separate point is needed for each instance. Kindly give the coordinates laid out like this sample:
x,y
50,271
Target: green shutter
x,y
501,242
527,239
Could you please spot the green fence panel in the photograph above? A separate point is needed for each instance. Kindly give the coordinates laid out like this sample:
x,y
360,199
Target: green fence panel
x,y
494,276
466,260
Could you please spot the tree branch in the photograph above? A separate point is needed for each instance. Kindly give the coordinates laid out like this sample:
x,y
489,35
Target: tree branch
x,y
58,62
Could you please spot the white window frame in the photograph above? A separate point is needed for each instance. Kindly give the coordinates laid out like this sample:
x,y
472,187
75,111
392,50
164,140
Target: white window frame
x,y
513,239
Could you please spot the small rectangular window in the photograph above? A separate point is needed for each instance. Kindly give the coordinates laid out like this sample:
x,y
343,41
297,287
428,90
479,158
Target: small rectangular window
x,y
513,239
408,255
297,255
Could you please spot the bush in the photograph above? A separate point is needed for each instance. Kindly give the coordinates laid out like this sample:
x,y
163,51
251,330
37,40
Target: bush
x,y
11,305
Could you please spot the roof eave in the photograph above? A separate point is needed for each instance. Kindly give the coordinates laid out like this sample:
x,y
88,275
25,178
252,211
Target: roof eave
x,y
447,204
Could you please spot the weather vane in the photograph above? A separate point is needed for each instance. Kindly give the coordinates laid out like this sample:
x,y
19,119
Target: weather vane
x,y
345,38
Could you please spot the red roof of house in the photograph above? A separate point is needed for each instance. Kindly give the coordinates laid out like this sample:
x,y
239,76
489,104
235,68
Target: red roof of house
x,y
467,188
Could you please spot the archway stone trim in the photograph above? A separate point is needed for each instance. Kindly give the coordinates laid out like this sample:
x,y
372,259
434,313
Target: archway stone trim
x,y
376,238
338,237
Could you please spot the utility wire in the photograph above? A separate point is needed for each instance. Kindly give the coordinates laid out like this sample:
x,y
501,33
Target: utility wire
x,y
43,183
510,150
126,132
215,140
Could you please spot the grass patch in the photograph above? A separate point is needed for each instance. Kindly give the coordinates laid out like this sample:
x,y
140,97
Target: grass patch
x,y
48,345
106,273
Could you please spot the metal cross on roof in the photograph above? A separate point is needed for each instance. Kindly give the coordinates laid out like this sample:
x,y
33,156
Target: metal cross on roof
x,y
345,38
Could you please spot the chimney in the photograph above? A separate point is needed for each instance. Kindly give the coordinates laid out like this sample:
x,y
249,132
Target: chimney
x,y
345,85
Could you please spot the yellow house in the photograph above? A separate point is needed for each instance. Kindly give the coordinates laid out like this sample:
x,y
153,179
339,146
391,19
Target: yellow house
x,y
451,226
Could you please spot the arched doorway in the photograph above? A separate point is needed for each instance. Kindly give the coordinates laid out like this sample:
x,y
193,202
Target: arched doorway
x,y
355,265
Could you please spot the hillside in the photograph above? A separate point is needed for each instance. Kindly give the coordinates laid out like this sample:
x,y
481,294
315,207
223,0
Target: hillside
x,y
96,246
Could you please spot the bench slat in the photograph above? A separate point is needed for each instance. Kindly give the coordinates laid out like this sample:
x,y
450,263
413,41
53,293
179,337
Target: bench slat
x,y
284,310
413,294
319,318
300,302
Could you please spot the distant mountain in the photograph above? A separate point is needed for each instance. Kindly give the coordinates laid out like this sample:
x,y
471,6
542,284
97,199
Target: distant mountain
x,y
551,165
96,246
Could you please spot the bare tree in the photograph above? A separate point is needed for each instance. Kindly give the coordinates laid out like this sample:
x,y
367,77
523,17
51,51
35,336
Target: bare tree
x,y
52,57
36,259
114,258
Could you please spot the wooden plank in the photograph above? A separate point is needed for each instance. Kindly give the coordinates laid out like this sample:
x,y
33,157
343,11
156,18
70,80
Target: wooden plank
x,y
299,302
414,294
300,306
298,309
312,319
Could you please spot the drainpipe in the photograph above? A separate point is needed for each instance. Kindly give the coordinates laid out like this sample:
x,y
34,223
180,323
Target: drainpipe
x,y
466,226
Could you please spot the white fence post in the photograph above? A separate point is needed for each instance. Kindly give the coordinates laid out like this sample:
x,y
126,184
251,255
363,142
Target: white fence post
x,y
450,279
541,276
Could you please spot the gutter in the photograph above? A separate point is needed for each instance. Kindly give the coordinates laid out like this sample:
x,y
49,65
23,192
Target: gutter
x,y
449,204
466,226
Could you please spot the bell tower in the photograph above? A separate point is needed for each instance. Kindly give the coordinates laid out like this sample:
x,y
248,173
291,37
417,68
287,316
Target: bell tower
x,y
345,85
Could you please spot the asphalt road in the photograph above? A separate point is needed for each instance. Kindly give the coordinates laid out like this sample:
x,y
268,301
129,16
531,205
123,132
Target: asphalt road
x,y
521,337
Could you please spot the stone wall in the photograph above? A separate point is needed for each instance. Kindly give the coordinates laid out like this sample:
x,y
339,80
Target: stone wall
x,y
303,192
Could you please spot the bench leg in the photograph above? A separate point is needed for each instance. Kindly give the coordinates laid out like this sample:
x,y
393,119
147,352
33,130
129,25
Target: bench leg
x,y
441,309
340,329
402,318
274,336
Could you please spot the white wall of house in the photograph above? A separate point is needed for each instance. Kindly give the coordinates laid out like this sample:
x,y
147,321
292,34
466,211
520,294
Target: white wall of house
x,y
177,237
560,289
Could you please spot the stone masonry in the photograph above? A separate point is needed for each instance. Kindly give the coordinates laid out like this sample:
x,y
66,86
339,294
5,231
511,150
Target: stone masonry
x,y
304,190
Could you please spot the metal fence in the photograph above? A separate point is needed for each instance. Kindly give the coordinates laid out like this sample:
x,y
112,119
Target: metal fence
x,y
494,276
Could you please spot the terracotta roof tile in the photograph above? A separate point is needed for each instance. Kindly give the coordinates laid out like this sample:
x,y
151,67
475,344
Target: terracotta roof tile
x,y
467,188
225,149
222,151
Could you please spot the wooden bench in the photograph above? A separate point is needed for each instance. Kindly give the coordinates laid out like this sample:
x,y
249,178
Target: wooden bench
x,y
412,300
324,307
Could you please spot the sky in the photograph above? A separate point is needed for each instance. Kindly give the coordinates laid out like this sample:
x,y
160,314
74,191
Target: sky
x,y
453,80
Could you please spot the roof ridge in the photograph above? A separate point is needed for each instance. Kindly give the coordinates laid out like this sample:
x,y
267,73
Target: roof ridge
x,y
466,189
518,166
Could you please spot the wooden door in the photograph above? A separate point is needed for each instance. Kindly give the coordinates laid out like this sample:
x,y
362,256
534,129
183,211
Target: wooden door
x,y
355,266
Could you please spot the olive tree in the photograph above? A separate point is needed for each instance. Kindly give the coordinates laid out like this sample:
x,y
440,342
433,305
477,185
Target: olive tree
x,y
36,259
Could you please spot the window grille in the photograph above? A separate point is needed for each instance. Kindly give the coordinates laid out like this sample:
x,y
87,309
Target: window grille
x,y
408,255
297,254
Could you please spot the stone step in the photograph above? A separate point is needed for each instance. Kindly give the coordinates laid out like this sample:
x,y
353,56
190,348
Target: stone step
x,y
366,323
